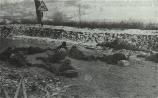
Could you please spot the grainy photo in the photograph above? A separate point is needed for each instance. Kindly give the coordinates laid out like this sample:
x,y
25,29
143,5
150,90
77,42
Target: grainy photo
x,y
78,49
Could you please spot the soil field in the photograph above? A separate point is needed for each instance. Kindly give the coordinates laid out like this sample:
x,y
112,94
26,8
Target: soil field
x,y
96,79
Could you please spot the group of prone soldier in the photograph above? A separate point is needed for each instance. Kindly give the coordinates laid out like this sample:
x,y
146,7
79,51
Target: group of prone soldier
x,y
55,63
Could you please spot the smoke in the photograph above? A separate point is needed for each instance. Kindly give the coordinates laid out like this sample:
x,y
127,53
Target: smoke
x,y
10,1
90,10
72,3
59,17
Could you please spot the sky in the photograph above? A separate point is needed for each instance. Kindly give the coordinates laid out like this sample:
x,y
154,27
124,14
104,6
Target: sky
x,y
90,10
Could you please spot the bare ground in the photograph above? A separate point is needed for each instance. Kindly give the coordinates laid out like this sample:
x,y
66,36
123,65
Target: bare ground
x,y
96,80
100,80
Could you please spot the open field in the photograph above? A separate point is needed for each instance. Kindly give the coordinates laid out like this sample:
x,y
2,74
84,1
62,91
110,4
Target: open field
x,y
96,79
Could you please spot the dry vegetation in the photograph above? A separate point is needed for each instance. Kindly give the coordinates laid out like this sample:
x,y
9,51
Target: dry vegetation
x,y
99,75
59,21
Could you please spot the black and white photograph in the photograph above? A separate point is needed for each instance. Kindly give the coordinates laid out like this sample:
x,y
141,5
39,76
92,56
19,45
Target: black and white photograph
x,y
78,48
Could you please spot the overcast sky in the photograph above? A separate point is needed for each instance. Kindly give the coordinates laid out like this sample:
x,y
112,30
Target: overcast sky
x,y
91,10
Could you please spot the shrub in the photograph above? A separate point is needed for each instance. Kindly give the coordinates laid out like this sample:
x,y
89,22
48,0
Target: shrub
x,y
119,44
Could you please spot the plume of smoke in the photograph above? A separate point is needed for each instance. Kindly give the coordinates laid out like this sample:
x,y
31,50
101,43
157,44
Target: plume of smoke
x,y
59,17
